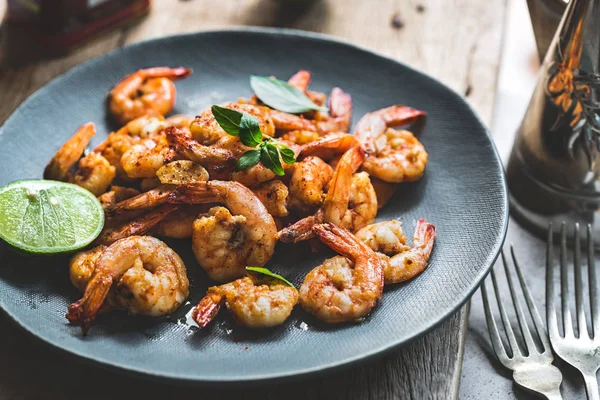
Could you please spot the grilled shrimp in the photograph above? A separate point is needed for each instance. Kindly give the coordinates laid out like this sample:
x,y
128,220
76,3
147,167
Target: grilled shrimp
x,y
145,159
393,155
61,166
135,131
94,173
145,92
351,201
308,183
149,279
207,131
255,302
226,240
342,289
400,262
274,195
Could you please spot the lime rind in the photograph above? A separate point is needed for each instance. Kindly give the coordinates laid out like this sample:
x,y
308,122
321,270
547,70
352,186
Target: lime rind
x,y
63,218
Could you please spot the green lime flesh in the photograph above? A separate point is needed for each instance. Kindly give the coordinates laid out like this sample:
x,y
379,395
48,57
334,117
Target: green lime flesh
x,y
46,217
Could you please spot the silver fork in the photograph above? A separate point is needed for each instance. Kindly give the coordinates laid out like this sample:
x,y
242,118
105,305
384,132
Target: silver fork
x,y
581,351
532,369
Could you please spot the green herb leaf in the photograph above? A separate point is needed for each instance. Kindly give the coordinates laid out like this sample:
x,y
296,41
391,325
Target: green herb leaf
x,y
248,159
282,96
228,119
265,271
269,156
250,133
287,154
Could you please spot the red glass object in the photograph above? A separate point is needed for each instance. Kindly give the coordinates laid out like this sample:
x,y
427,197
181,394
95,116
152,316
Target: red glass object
x,y
60,25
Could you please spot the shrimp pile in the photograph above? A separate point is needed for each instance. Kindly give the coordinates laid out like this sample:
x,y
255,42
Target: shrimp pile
x,y
179,177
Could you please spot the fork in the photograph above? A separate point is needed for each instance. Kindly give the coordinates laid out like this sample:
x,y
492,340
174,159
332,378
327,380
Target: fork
x,y
532,369
581,351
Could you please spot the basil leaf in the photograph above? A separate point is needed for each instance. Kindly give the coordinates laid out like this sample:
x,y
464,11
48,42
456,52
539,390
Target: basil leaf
x,y
228,119
287,154
265,271
250,133
282,96
248,159
269,156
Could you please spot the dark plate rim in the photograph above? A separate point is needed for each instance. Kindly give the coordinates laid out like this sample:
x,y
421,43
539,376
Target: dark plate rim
x,y
306,372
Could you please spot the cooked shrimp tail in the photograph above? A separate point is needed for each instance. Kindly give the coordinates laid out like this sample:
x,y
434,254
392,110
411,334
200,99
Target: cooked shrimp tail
x,y
329,145
340,113
340,240
290,122
208,308
301,230
138,226
300,80
144,201
84,311
61,166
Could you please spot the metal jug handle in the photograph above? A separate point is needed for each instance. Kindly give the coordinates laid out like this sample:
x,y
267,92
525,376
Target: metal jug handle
x,y
545,16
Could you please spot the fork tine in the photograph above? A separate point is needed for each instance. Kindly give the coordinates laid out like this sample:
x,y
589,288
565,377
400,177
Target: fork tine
x,y
592,283
533,311
564,284
493,328
550,304
581,321
516,351
529,343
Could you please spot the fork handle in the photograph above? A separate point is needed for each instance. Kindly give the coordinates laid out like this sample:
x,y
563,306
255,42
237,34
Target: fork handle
x,y
591,386
553,395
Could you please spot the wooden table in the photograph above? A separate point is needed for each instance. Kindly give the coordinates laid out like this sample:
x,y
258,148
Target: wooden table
x,y
458,42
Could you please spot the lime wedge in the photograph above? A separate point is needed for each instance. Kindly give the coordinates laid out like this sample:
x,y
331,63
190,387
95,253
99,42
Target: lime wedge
x,y
45,217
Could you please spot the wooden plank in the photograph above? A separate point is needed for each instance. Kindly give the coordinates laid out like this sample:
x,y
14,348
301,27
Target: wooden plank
x,y
427,368
456,41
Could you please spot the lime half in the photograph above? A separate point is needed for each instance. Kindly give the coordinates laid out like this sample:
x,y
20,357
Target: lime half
x,y
47,217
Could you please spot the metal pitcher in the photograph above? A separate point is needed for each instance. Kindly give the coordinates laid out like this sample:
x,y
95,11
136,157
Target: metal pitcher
x,y
554,168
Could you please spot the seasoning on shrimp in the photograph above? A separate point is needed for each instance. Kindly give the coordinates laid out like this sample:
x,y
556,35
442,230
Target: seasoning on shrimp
x,y
400,262
344,288
145,92
227,239
150,278
255,302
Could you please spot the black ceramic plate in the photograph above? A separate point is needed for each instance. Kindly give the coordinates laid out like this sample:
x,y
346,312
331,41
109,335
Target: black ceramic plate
x,y
462,193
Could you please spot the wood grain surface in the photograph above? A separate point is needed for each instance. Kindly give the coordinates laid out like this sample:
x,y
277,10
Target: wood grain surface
x,y
456,41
